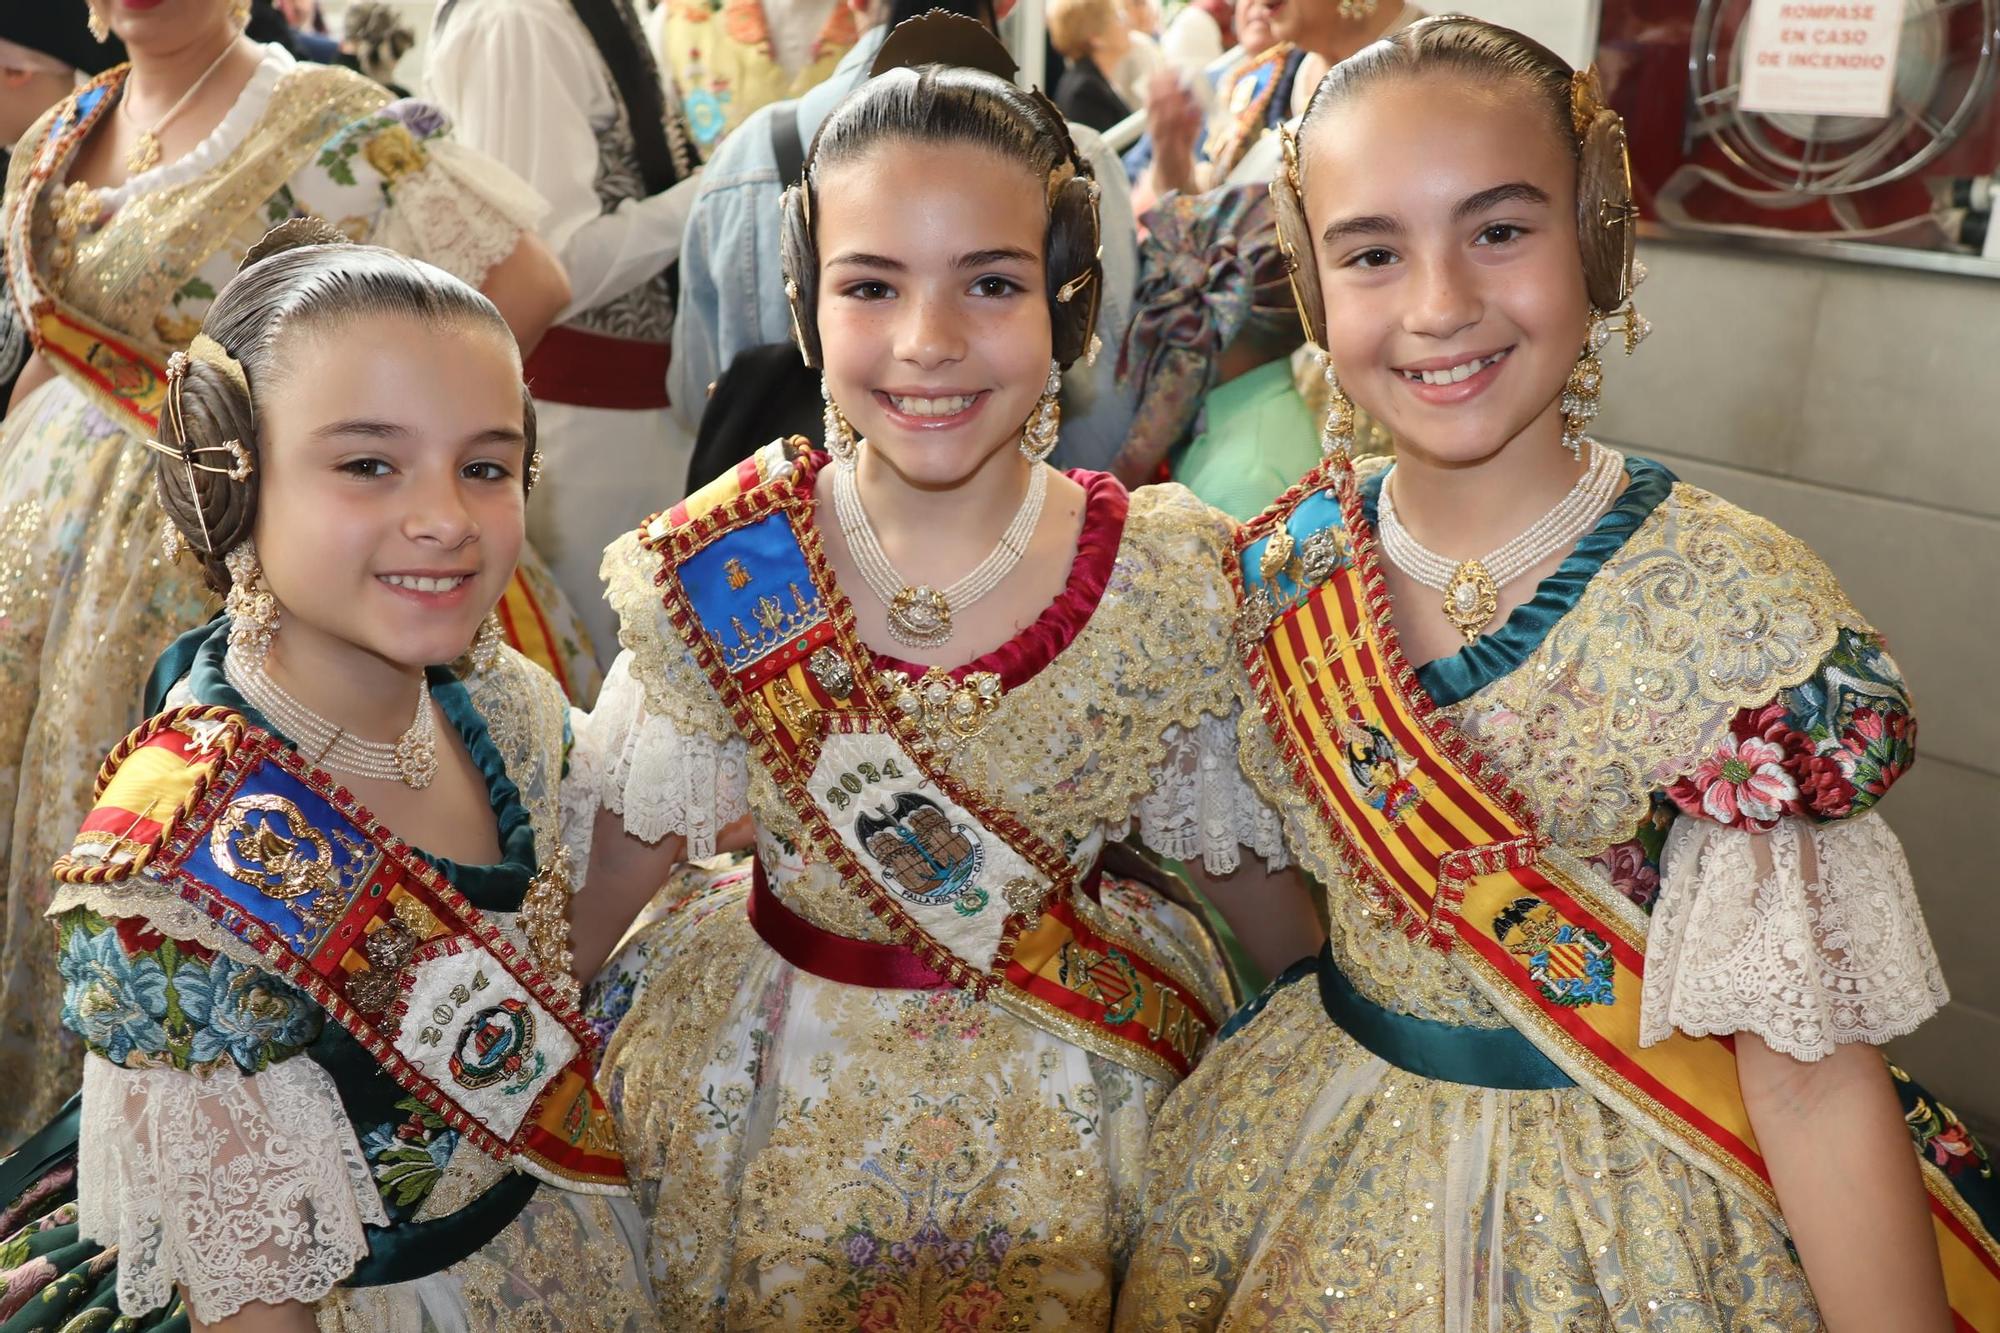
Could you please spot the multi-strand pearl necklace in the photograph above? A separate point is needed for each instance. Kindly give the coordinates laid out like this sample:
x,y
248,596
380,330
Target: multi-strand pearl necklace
x,y
411,759
1471,588
920,615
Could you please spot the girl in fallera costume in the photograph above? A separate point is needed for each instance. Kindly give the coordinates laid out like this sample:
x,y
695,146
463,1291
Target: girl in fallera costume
x,y
1587,759
127,208
899,1075
336,1075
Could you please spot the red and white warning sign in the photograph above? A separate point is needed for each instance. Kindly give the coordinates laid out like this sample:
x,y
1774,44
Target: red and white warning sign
x,y
1820,57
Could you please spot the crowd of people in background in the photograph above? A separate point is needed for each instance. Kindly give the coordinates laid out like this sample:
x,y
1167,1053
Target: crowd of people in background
x,y
666,223
552,305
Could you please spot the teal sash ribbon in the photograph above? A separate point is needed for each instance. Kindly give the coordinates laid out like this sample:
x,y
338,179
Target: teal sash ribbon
x,y
1448,1052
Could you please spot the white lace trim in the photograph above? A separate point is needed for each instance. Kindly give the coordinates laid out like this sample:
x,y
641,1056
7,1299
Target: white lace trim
x,y
662,778
1200,804
463,212
1809,936
237,1187
243,115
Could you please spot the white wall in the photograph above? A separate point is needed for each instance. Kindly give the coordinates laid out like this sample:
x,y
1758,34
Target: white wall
x,y
1855,406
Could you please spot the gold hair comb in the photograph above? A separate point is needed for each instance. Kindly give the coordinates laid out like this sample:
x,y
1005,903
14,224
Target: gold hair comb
x,y
1586,98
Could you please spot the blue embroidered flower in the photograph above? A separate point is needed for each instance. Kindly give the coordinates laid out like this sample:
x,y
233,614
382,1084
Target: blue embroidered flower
x,y
705,116
408,1157
241,1012
115,1003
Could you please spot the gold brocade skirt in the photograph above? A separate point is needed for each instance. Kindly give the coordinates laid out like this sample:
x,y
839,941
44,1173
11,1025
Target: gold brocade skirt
x,y
820,1156
86,604
1296,1181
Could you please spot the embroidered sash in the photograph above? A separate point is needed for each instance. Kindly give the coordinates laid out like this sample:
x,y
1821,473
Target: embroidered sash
x,y
111,368
201,805
965,886
1432,831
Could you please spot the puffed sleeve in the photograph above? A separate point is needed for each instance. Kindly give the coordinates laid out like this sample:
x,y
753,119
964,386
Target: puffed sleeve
x,y
1198,806
397,178
213,1153
1786,906
658,748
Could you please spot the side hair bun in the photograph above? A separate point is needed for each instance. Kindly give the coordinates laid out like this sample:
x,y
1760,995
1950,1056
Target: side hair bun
x,y
1605,211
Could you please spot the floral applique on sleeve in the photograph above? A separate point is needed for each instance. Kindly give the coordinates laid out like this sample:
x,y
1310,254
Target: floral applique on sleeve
x,y
142,1000
1826,749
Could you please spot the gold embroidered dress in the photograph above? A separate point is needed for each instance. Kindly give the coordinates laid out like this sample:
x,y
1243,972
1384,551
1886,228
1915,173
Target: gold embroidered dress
x,y
259,1123
1701,725
86,603
880,1154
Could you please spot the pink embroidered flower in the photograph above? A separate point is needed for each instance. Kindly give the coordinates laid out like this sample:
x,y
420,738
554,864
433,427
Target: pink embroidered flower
x,y
1824,785
1630,872
1878,748
1953,1148
1744,784
969,1309
880,1310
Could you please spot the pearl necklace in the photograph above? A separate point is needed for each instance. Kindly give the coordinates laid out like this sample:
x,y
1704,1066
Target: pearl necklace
x,y
1471,588
920,615
411,759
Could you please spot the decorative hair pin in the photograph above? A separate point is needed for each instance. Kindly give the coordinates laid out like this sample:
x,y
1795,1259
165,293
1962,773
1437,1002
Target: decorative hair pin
x,y
1586,98
1067,292
241,465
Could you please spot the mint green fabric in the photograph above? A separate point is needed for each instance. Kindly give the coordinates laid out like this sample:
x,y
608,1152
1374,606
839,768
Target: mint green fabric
x,y
1258,437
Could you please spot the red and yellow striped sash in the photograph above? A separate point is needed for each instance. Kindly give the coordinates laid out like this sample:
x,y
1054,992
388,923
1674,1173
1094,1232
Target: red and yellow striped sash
x,y
1433,832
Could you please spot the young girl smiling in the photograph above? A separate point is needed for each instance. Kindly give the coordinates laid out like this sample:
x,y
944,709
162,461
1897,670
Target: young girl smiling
x,y
1587,759
332,1080
899,1075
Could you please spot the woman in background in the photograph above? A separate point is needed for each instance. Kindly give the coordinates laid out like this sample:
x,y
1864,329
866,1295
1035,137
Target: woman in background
x,y
127,208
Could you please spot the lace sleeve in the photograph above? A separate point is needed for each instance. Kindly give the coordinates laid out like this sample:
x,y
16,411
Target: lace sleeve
x,y
1809,936
1200,806
395,177
662,776
462,211
237,1187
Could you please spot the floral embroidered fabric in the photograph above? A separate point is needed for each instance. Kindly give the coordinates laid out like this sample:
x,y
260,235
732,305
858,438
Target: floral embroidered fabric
x,y
817,1155
141,1000
1696,728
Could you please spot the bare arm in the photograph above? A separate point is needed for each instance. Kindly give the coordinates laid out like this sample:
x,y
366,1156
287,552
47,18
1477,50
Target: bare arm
x,y
1270,911
33,376
257,1317
1833,1136
624,875
530,288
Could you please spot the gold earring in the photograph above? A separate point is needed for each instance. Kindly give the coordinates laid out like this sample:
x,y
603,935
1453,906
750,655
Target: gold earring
x,y
1582,393
1336,431
484,654
251,605
1585,387
239,13
841,445
1357,9
100,27
1038,437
